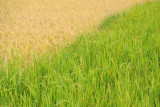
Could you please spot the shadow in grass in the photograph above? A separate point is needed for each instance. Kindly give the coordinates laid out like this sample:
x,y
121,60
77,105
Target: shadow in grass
x,y
109,22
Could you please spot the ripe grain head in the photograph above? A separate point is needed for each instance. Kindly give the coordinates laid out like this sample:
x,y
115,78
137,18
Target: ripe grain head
x,y
33,26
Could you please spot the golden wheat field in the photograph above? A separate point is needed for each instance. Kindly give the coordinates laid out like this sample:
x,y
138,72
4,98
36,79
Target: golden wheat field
x,y
33,26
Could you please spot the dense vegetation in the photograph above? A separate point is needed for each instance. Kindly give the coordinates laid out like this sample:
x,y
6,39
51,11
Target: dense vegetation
x,y
117,65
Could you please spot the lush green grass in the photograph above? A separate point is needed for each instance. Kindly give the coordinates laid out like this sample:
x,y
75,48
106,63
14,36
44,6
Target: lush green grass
x,y
117,65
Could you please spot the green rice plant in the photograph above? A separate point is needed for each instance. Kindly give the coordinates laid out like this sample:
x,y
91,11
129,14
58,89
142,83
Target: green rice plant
x,y
117,65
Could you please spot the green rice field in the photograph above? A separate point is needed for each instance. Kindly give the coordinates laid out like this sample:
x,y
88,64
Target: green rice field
x,y
116,65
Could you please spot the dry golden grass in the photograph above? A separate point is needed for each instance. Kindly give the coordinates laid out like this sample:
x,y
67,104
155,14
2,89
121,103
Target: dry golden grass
x,y
32,26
